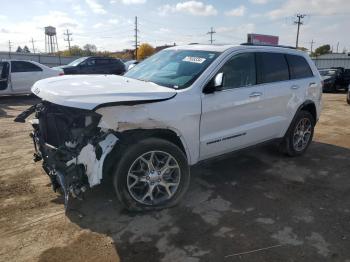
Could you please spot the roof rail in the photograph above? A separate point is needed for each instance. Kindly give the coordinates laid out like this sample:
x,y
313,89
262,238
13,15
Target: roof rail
x,y
283,46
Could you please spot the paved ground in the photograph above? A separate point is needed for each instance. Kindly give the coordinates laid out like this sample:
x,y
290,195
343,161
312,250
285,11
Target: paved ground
x,y
296,208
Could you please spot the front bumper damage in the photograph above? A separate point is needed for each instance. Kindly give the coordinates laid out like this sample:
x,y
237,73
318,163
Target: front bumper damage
x,y
71,146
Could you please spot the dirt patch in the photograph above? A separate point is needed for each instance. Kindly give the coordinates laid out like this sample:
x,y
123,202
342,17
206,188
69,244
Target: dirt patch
x,y
250,200
87,246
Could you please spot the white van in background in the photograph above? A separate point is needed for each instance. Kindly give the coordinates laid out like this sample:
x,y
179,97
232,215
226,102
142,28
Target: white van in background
x,y
18,76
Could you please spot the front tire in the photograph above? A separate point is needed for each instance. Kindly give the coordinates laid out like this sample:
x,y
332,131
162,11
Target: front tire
x,y
151,174
299,134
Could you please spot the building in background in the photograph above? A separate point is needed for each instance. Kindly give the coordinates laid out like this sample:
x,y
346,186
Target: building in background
x,y
332,60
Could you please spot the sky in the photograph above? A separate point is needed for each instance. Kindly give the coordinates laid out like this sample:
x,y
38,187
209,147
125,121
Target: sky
x,y
109,24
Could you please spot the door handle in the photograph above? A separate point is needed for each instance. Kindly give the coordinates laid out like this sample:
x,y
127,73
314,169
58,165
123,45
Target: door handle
x,y
294,87
313,84
255,94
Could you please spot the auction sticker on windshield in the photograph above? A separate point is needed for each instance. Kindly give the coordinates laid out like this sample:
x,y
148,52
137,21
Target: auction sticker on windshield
x,y
193,59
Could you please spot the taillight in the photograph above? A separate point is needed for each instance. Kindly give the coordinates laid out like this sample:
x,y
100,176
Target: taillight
x,y
61,74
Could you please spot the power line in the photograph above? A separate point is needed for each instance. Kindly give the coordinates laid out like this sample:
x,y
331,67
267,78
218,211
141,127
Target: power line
x,y
32,41
10,46
68,39
136,45
337,47
312,45
299,23
211,33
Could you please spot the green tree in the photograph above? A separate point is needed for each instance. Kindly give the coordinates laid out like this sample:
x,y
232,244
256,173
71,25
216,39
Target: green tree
x,y
321,50
90,49
19,49
25,49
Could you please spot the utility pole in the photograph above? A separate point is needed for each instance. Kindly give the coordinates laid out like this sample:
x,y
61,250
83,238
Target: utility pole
x,y
10,46
211,33
32,41
68,39
136,45
337,47
299,23
311,45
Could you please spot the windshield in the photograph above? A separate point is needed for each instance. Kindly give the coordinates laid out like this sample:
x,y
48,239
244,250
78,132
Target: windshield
x,y
173,68
77,62
327,72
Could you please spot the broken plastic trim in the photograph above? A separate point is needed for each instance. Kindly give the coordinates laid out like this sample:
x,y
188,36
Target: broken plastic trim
x,y
21,118
61,181
93,160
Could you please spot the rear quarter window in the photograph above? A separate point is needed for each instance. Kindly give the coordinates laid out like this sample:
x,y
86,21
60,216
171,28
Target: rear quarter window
x,y
298,67
271,67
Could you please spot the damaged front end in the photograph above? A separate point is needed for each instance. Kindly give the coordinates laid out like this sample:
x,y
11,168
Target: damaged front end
x,y
71,145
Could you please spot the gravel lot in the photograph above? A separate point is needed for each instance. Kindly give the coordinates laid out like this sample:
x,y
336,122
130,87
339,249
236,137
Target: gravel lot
x,y
254,205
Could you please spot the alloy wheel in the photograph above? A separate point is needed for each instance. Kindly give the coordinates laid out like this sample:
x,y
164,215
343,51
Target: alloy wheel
x,y
302,134
153,178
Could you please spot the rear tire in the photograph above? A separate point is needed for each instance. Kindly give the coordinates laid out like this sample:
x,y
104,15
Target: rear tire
x,y
299,135
152,174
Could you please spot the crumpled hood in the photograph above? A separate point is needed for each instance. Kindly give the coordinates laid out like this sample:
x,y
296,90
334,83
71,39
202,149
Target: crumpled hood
x,y
92,91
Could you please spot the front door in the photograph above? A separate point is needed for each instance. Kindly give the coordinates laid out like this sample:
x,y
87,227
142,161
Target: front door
x,y
4,77
234,116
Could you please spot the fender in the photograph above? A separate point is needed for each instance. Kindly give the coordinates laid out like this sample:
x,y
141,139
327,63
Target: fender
x,y
306,103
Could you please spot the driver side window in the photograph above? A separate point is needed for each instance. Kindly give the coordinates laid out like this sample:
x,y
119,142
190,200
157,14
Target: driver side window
x,y
239,71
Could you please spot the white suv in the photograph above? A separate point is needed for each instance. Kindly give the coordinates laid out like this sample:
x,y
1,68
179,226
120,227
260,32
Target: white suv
x,y
181,106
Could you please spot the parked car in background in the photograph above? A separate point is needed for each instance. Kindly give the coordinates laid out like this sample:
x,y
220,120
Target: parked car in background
x,y
183,105
348,95
94,65
18,76
130,64
346,78
332,78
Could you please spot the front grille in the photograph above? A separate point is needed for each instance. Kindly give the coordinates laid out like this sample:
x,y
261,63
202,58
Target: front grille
x,y
57,123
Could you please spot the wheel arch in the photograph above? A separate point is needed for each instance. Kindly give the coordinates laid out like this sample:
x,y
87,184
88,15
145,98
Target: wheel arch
x,y
308,106
134,135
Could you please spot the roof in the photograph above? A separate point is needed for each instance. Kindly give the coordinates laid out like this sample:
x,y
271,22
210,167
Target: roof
x,y
222,48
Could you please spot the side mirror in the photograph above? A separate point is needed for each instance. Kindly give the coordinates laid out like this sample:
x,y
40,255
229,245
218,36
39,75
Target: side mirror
x,y
131,66
214,84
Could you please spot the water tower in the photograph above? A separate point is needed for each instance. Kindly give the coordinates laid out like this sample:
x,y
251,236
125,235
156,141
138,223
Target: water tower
x,y
51,45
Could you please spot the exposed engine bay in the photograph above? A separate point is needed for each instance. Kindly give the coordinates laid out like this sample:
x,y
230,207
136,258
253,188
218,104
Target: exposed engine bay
x,y
71,146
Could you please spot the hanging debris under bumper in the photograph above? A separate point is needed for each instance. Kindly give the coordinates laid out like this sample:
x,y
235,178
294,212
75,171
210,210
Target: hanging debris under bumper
x,y
71,145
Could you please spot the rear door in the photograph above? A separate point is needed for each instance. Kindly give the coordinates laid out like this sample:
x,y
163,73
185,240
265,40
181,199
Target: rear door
x,y
286,78
103,66
233,117
23,75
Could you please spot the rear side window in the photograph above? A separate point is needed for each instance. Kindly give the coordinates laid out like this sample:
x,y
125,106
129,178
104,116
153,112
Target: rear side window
x,y
239,71
23,66
117,62
102,61
298,67
272,67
